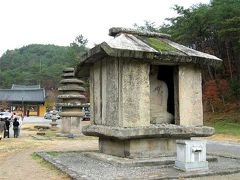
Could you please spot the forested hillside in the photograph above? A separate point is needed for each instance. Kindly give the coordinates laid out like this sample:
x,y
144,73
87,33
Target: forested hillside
x,y
215,29
34,64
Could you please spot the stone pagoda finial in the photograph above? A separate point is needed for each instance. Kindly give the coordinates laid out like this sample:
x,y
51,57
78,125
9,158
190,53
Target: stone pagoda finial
x,y
71,95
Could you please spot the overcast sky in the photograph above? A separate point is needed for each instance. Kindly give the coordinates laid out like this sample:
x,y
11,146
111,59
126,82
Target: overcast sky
x,y
58,22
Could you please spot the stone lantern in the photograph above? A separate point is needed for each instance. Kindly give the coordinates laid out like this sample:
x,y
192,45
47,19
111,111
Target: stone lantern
x,y
54,118
71,100
145,93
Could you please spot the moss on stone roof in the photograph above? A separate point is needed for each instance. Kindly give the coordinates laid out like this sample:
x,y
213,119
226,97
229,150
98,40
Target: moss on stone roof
x,y
157,44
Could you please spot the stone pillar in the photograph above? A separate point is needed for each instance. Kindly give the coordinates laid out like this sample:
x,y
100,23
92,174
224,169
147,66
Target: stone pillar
x,y
190,96
72,99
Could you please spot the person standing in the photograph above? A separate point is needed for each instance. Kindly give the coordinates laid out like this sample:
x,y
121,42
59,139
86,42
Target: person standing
x,y
13,116
20,125
22,115
2,127
6,132
15,127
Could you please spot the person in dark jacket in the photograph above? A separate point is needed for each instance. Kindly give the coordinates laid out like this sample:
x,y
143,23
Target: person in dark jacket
x,y
6,132
2,127
15,127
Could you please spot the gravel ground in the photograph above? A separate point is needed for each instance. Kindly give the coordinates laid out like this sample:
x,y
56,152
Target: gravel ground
x,y
91,168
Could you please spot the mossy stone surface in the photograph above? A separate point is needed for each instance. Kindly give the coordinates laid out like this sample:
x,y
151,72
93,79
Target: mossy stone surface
x,y
157,44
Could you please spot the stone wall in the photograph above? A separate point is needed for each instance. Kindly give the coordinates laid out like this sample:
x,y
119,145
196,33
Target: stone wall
x,y
120,94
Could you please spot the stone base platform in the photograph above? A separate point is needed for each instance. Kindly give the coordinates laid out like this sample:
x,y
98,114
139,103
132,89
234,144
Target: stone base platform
x,y
94,165
153,131
143,142
138,148
114,160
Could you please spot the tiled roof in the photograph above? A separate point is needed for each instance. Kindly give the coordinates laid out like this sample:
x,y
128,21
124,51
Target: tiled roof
x,y
22,94
156,48
23,87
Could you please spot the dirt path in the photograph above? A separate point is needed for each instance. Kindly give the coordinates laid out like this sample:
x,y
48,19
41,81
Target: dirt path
x,y
16,161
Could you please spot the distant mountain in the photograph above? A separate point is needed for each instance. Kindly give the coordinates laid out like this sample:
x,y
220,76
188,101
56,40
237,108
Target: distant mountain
x,y
36,63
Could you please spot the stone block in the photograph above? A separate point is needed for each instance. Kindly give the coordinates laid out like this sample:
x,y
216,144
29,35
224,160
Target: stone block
x,y
75,122
190,96
137,148
110,92
191,155
112,147
134,94
66,124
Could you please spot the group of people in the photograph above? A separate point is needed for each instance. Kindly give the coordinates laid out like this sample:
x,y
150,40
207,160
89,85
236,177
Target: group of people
x,y
5,124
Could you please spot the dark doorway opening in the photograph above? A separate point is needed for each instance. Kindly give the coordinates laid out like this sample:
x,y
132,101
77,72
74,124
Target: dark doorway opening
x,y
165,73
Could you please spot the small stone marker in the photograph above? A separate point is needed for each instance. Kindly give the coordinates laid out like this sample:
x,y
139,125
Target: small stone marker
x,y
191,155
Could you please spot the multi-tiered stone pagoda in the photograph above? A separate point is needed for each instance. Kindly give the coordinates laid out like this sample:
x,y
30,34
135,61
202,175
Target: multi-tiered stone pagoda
x,y
71,100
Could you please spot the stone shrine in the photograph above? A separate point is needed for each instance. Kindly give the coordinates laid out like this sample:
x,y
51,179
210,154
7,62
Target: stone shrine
x,y
145,92
72,100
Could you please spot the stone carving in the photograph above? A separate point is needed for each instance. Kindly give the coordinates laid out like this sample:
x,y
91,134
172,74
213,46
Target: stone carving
x,y
158,99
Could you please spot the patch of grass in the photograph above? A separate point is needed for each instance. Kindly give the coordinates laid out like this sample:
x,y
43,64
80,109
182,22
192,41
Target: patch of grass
x,y
35,156
224,123
233,117
51,133
55,153
31,127
226,127
48,165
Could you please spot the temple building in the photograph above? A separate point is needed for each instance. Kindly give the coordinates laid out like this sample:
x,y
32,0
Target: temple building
x,y
28,99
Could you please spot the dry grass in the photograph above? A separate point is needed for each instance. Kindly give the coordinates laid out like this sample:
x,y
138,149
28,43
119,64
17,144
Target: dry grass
x,y
225,137
30,127
11,145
